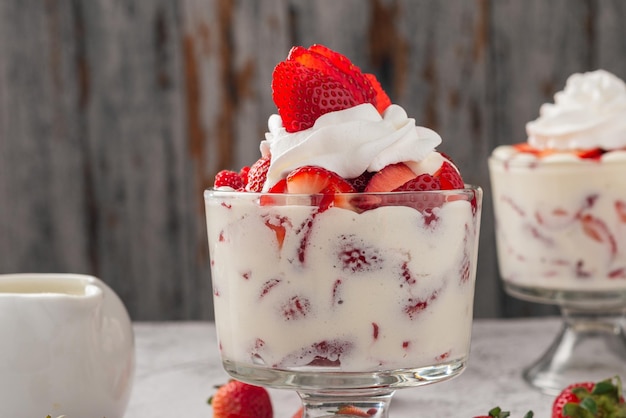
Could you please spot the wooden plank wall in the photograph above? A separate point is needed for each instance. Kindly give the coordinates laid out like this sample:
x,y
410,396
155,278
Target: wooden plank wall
x,y
116,114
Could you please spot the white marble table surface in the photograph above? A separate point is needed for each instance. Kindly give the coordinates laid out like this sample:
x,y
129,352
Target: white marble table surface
x,y
178,366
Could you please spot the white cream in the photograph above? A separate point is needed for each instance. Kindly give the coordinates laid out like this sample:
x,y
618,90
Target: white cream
x,y
561,224
348,142
589,113
366,310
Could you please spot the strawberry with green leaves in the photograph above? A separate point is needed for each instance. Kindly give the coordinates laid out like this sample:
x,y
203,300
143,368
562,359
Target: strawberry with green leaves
x,y
499,413
236,399
591,400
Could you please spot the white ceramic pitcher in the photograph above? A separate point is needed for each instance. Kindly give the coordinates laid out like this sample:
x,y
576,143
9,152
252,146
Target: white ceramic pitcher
x,y
66,347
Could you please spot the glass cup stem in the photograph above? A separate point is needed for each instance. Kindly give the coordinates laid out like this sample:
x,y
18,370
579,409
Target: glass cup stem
x,y
590,347
321,405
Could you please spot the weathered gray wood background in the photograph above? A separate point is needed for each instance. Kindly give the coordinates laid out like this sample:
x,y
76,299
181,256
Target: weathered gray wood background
x,y
116,114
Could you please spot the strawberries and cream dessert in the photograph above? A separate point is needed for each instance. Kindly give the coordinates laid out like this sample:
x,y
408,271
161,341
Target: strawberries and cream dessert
x,y
351,244
560,198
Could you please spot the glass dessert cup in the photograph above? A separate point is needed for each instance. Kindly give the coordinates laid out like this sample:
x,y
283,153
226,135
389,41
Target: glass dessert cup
x,y
561,240
344,302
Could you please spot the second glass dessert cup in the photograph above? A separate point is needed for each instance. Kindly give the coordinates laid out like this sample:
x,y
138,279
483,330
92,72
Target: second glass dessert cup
x,y
561,240
344,298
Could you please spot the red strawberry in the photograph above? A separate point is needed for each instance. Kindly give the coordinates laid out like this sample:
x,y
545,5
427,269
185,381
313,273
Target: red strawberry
x,y
449,177
596,229
299,413
390,178
359,183
313,179
241,400
590,154
228,178
353,411
337,66
243,173
318,80
258,174
620,208
303,94
588,399
421,182
382,101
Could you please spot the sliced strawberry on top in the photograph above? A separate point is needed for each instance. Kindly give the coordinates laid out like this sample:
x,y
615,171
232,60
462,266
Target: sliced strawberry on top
x,y
381,100
228,178
303,94
348,75
390,178
449,177
257,174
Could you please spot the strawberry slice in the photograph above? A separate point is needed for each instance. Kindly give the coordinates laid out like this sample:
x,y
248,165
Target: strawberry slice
x,y
597,230
449,177
337,67
620,208
257,174
374,91
312,179
390,178
228,178
303,94
590,154
318,80
422,182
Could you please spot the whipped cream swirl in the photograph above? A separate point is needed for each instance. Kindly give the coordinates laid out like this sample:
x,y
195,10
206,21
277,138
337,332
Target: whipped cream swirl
x,y
347,142
589,113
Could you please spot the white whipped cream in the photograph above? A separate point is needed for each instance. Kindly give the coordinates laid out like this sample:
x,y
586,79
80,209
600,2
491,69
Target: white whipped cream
x,y
589,113
348,142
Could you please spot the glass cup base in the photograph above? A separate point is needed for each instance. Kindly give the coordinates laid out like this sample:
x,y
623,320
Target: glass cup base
x,y
328,380
583,351
591,345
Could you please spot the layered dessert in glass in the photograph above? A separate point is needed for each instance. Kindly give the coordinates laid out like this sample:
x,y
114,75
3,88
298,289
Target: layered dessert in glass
x,y
560,208
560,198
344,258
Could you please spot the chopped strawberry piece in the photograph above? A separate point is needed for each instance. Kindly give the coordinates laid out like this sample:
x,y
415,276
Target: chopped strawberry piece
x,y
359,183
243,173
278,224
353,411
449,177
590,154
420,183
258,174
296,308
390,178
227,178
620,208
313,179
596,229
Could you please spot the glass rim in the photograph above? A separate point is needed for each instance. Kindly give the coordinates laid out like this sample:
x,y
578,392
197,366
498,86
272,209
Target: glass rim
x,y
469,188
549,162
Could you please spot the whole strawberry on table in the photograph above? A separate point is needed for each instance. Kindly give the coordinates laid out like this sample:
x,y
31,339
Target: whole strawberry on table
x,y
582,400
